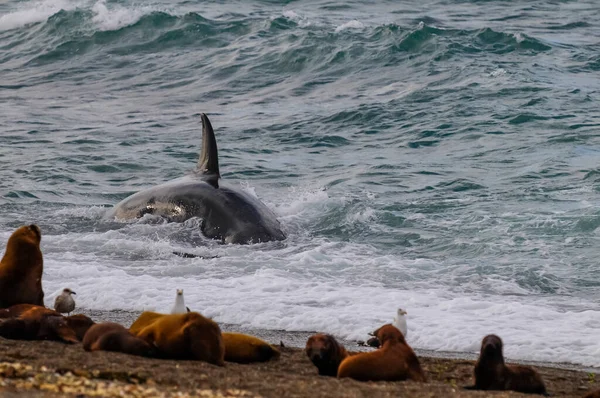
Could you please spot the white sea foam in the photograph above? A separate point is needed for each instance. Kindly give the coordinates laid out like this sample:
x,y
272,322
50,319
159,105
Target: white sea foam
x,y
33,12
116,16
518,37
354,24
298,299
498,72
302,21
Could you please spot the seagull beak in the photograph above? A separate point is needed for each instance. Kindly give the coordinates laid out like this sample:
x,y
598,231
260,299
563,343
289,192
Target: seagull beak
x,y
73,292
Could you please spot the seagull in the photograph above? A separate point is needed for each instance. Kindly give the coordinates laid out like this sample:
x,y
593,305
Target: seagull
x,y
400,322
64,302
179,307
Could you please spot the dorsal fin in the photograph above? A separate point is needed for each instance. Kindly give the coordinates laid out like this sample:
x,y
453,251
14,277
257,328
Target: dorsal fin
x,y
208,163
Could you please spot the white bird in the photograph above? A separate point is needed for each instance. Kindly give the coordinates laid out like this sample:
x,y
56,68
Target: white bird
x,y
400,321
64,302
179,307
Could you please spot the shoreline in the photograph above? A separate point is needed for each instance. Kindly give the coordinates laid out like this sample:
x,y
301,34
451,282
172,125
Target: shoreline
x,y
298,340
54,369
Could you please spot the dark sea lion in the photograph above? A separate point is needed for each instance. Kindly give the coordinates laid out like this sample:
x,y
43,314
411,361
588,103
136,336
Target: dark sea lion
x,y
21,268
17,310
80,324
182,336
242,348
227,213
593,394
492,374
111,336
38,323
325,353
393,361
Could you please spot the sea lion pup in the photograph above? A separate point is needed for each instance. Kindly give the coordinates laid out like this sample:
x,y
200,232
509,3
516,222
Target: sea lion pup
x,y
325,353
80,324
242,348
182,336
110,336
21,268
64,302
492,374
38,323
394,361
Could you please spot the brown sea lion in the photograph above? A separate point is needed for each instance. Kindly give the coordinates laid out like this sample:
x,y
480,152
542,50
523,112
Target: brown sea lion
x,y
393,361
182,336
492,374
111,336
80,324
38,323
325,353
242,348
593,394
14,311
21,268
145,319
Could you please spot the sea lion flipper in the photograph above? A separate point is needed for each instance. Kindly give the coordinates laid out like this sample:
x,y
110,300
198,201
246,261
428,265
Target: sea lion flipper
x,y
208,163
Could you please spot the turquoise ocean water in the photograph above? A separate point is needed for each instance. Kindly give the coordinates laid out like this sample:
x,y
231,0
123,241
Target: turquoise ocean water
x,y
442,156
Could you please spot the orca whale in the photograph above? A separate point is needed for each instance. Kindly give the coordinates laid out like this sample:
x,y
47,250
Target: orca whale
x,y
227,213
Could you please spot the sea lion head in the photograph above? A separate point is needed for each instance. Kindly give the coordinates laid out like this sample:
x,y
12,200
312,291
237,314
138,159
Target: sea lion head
x,y
28,233
80,324
53,327
389,332
143,348
320,346
491,347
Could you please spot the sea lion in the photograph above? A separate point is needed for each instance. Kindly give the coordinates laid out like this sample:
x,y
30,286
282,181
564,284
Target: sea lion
x,y
492,374
325,353
593,394
21,268
182,336
64,302
111,336
179,307
145,319
38,323
227,213
80,324
242,348
15,310
394,361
